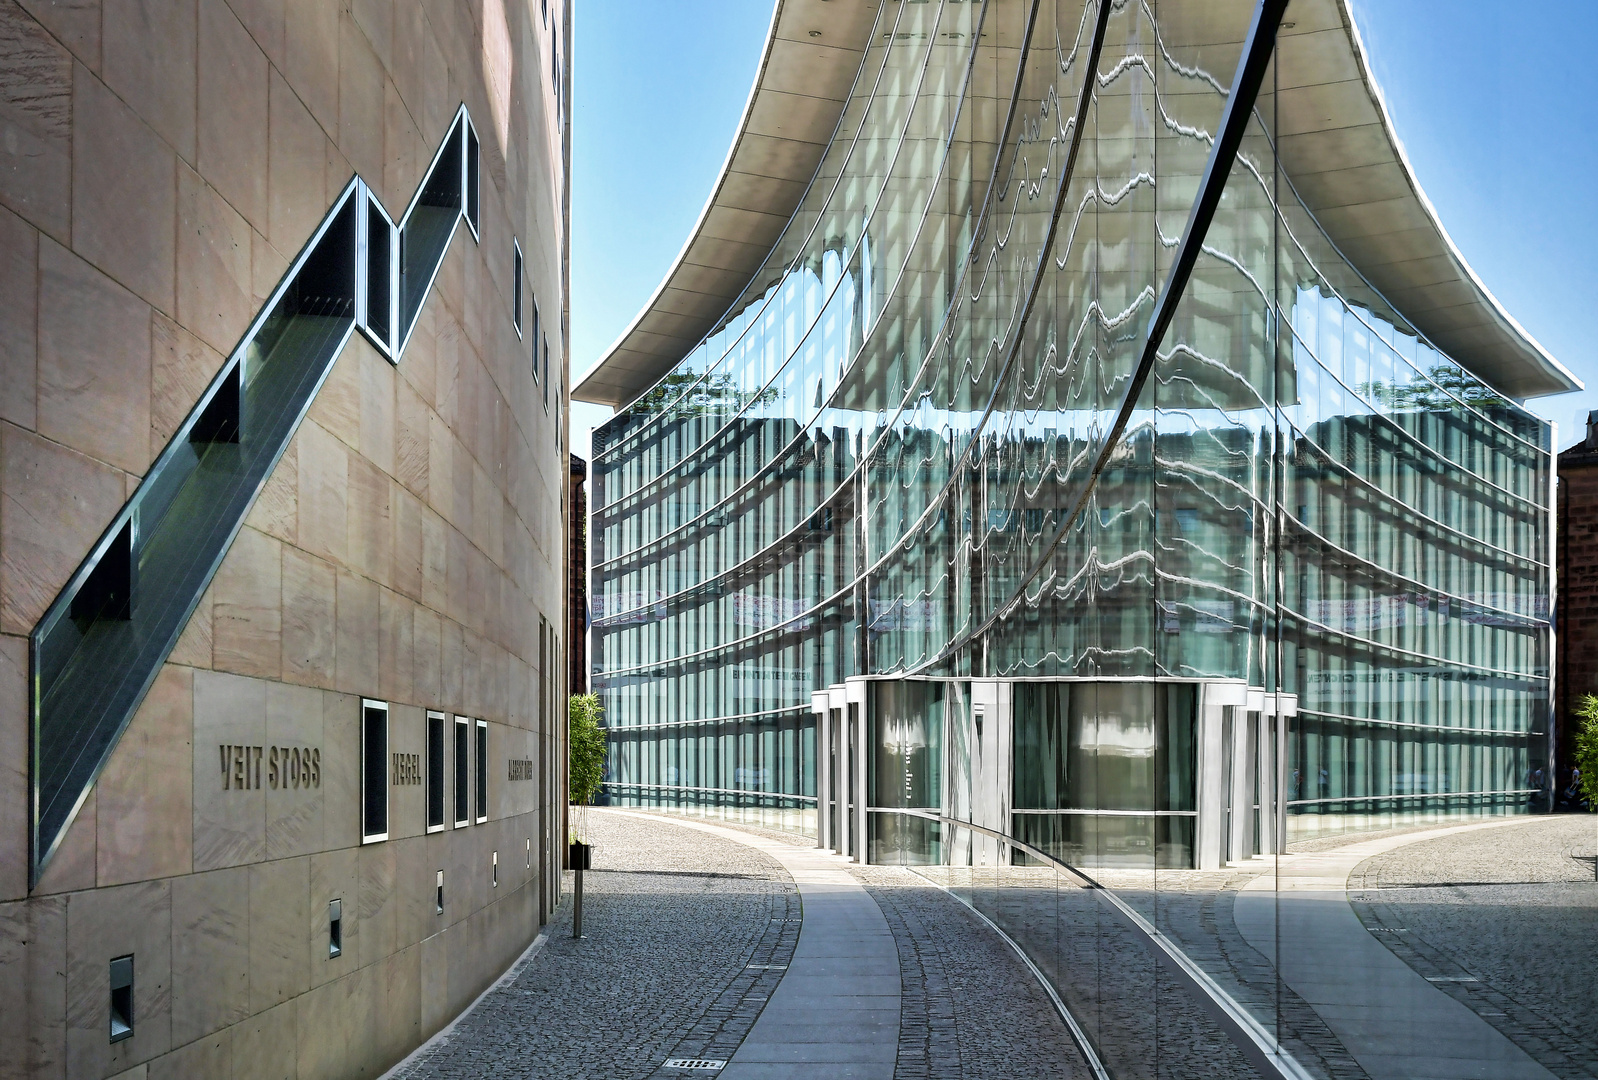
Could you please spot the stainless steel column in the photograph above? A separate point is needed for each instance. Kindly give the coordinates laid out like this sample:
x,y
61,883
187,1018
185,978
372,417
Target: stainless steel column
x,y
818,708
837,717
855,716
992,777
1209,841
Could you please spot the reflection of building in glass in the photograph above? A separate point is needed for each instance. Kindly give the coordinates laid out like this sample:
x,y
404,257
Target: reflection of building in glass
x,y
920,519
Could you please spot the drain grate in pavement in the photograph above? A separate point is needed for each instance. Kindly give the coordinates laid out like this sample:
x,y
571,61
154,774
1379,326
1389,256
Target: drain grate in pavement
x,y
704,1064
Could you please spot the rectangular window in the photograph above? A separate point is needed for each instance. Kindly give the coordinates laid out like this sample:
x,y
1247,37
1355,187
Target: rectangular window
x,y
545,379
374,770
435,771
482,771
516,286
556,666
463,771
535,339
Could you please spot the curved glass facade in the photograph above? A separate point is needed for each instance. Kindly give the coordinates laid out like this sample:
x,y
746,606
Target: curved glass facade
x,y
870,467
878,560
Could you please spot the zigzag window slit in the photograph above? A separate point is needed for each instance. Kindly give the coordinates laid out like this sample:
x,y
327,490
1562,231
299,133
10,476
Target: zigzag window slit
x,y
108,591
377,269
220,418
101,643
472,196
429,222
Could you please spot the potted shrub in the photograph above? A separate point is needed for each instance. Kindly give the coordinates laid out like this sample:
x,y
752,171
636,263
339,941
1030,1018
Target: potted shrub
x,y
586,740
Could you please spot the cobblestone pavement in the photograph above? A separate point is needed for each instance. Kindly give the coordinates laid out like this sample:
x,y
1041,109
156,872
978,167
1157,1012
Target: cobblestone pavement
x,y
1141,1019
1506,921
688,933
1194,908
968,1006
673,919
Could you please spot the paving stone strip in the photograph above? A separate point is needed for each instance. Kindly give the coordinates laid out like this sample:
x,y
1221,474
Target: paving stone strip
x,y
968,1007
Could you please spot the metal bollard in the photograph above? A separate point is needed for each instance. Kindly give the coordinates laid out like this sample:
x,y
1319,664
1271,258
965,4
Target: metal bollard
x,y
580,857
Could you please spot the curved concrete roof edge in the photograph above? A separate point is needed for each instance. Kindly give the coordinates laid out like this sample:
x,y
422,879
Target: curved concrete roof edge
x,y
1362,57
704,213
1552,377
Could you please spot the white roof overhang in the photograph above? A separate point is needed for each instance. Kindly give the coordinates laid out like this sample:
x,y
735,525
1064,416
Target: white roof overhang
x,y
1336,140
1343,156
800,89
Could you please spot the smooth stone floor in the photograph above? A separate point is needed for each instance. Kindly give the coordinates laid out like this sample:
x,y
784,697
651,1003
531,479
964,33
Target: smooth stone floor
x,y
836,1012
1397,1025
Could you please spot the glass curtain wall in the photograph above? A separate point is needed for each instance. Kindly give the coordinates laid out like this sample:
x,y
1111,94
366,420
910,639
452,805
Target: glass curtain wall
x,y
1304,593
880,462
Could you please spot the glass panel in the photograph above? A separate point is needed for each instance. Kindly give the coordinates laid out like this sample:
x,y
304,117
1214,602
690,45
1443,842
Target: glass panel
x,y
1300,605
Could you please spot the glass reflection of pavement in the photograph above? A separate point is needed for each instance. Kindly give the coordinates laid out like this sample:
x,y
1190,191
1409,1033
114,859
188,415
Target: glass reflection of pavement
x,y
1394,1019
1506,922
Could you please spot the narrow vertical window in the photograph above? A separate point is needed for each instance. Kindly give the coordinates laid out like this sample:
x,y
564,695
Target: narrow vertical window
x,y
482,771
463,771
543,674
535,339
516,286
435,771
374,771
545,379
554,673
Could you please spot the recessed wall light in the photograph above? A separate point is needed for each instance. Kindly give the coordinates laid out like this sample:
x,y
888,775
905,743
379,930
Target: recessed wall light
x,y
815,33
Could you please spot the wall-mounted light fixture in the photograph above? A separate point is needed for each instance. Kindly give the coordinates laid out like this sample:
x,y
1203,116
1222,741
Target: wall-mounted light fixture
x,y
335,928
122,998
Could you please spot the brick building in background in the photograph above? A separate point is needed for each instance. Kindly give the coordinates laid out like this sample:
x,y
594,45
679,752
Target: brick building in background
x,y
577,568
1576,627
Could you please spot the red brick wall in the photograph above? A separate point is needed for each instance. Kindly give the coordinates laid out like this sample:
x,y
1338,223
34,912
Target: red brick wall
x,y
1577,624
577,608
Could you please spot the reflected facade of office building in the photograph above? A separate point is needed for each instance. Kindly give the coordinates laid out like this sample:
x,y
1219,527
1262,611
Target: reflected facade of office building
x,y
907,534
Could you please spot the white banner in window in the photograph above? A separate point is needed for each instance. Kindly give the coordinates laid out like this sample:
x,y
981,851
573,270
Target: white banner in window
x,y
636,606
768,612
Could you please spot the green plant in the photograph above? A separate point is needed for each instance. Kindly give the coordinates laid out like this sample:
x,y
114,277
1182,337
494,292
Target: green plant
x,y
1587,747
587,741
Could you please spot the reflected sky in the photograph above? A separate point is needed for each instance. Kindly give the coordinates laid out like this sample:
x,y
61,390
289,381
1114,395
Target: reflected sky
x,y
1489,104
1484,100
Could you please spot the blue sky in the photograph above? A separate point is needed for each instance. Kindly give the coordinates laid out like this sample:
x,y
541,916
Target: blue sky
x,y
1497,109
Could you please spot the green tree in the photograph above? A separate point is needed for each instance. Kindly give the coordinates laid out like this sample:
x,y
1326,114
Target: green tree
x,y
587,741
1587,747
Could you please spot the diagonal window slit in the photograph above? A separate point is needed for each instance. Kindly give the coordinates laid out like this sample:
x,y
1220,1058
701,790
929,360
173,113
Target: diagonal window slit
x,y
101,643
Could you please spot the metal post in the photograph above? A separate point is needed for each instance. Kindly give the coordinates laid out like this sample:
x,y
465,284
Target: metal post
x,y
577,903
